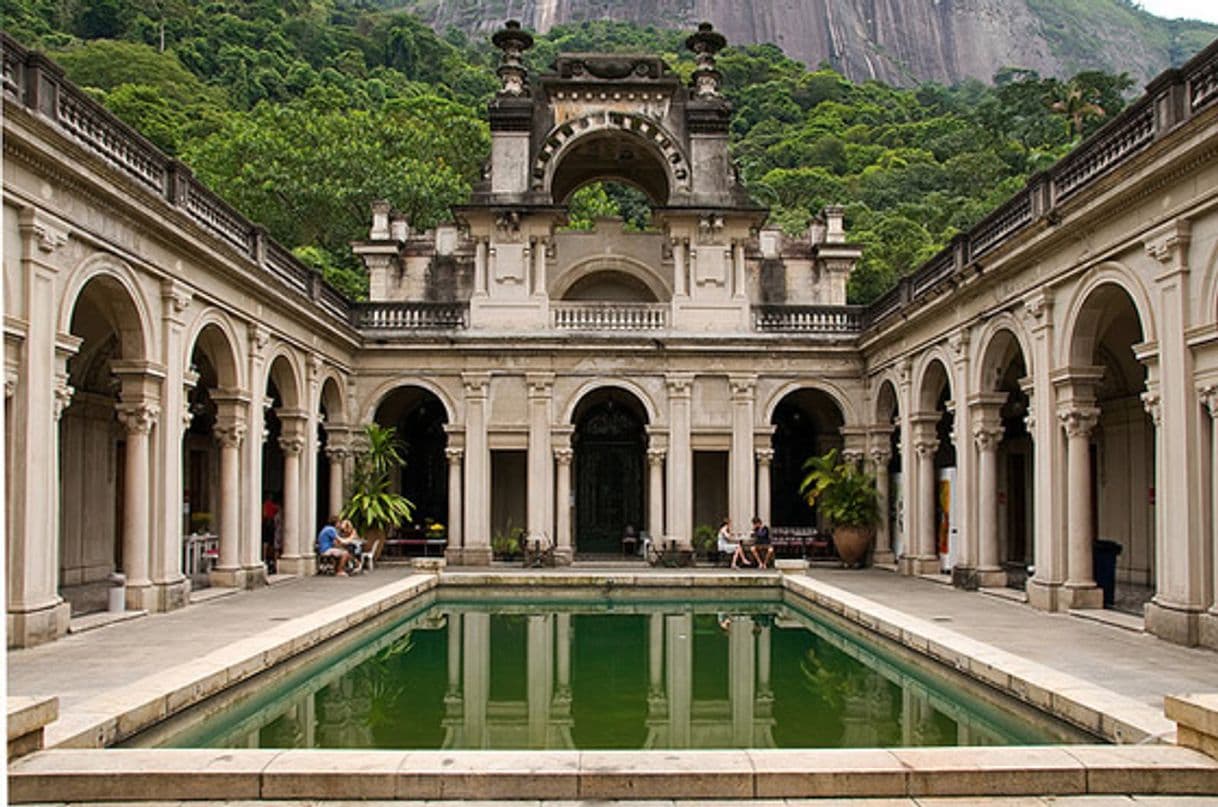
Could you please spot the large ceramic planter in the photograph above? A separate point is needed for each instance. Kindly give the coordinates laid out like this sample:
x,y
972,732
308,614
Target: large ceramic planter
x,y
852,544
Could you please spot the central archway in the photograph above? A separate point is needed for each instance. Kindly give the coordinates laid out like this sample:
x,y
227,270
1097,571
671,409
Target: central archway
x,y
610,444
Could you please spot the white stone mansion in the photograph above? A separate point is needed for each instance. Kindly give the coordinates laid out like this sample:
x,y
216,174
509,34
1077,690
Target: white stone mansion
x,y
1048,379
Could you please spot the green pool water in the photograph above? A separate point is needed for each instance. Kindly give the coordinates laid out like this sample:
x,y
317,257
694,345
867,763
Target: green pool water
x,y
608,674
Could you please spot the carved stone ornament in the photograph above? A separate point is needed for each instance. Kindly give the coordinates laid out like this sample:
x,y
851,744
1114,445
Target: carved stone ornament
x,y
705,44
1208,395
49,238
229,435
926,448
563,456
337,453
176,295
1080,421
513,41
655,456
1153,404
853,456
881,456
260,337
63,399
1037,305
679,386
454,455
291,445
987,437
765,456
138,418
1164,245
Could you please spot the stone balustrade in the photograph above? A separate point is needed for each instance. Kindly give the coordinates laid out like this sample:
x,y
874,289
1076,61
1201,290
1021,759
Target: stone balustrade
x,y
597,316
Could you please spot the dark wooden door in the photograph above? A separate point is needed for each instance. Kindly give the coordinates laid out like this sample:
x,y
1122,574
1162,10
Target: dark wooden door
x,y
608,479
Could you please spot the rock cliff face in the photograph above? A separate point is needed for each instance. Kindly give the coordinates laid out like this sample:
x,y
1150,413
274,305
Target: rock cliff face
x,y
896,41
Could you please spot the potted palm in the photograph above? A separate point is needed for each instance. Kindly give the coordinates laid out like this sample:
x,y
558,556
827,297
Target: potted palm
x,y
373,506
847,498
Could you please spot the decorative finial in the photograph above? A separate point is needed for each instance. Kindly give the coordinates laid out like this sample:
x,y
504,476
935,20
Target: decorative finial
x,y
513,41
705,44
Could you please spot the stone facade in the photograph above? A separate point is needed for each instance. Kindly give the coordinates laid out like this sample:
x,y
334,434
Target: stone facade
x,y
167,364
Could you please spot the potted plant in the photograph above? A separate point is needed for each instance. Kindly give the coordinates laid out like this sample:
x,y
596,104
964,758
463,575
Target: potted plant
x,y
706,541
373,506
509,544
847,498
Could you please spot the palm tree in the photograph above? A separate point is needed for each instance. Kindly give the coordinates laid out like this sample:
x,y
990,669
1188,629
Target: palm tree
x,y
1076,104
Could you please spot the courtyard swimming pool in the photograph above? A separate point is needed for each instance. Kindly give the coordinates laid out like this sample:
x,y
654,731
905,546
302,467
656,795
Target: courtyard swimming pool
x,y
589,670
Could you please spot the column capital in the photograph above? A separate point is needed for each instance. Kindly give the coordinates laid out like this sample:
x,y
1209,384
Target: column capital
x,y
904,370
1169,244
853,455
1079,421
958,343
138,418
680,385
260,337
655,456
764,456
48,233
1038,307
177,296
987,436
563,456
926,447
1152,402
337,453
229,435
541,385
63,398
880,456
454,455
743,387
1208,396
291,444
477,385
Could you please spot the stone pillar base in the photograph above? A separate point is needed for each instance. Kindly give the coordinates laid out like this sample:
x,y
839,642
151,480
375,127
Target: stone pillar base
x,y
454,556
38,626
1073,595
1208,629
885,556
927,564
476,556
907,565
991,577
563,556
301,565
171,594
1043,596
142,597
1177,624
237,577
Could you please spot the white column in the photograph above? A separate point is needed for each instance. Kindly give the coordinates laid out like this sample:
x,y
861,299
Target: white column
x,y
1048,553
539,676
1209,621
454,549
167,577
252,572
138,419
739,287
563,550
680,268
229,433
1080,589
539,267
477,677
987,436
477,546
337,457
680,459
480,268
925,528
880,457
292,443
540,462
679,630
741,683
655,492
765,460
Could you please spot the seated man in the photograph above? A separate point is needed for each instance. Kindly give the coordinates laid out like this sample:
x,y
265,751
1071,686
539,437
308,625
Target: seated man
x,y
329,545
763,553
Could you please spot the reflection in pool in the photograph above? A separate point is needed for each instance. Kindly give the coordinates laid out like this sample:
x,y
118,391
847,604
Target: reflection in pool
x,y
620,675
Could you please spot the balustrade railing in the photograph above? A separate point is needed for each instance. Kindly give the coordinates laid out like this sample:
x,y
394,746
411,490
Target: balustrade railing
x,y
409,316
38,84
808,319
594,316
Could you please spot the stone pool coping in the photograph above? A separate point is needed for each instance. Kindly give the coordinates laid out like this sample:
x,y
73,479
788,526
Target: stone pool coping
x,y
135,775
78,766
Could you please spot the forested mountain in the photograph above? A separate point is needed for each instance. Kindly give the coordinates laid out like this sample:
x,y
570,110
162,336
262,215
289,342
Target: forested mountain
x,y
903,42
301,112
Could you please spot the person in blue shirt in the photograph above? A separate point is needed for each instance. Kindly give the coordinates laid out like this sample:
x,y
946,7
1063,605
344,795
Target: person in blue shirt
x,y
330,545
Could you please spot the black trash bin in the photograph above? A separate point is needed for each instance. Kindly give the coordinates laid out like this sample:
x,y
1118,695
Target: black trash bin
x,y
1104,555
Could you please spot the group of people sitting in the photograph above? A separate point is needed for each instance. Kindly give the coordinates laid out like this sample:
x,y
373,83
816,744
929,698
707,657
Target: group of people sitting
x,y
338,544
759,546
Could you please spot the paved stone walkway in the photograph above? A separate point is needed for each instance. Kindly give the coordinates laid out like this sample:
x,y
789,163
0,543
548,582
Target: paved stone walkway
x,y
1138,666
963,801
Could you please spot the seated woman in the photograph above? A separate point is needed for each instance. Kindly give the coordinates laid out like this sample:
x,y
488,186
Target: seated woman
x,y
349,539
726,545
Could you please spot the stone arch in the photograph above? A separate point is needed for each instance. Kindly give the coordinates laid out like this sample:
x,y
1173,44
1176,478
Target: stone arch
x,y
385,389
223,346
931,370
1085,319
997,338
420,419
138,342
331,396
806,421
1207,305
550,172
283,369
835,393
886,406
592,385
590,267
